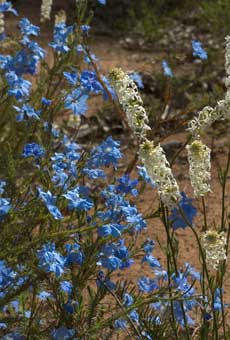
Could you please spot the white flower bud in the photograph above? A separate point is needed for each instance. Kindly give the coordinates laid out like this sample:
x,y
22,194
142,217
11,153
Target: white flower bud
x,y
199,167
131,102
46,9
214,245
159,170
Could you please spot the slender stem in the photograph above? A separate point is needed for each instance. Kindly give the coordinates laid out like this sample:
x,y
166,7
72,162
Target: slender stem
x,y
126,314
172,253
204,265
224,189
205,228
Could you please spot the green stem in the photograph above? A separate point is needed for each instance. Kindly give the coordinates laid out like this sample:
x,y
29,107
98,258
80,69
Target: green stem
x,y
205,228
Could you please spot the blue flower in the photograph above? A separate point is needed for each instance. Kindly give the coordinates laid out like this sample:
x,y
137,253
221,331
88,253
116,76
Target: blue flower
x,y
27,28
90,82
85,28
44,295
74,255
188,210
5,206
143,173
63,333
38,52
198,50
133,217
179,315
66,287
60,38
105,154
49,201
217,300
3,325
128,300
146,335
18,87
33,150
77,102
50,260
161,274
103,281
46,101
109,88
152,261
93,173
14,336
7,277
126,185
25,60
71,77
148,246
167,70
102,2
147,285
113,230
134,316
26,111
192,272
121,324
111,262
115,256
2,187
136,77
76,202
7,7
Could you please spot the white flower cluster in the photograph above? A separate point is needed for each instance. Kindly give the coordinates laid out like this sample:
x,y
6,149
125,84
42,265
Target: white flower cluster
x,y
205,118
214,244
131,102
227,56
2,23
159,170
60,17
2,20
199,167
46,9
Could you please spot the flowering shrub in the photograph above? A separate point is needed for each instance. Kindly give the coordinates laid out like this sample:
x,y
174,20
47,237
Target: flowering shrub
x,y
69,220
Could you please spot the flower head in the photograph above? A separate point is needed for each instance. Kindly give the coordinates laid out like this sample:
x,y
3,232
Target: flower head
x,y
50,260
188,210
46,10
214,245
198,50
130,100
33,150
199,167
167,70
158,168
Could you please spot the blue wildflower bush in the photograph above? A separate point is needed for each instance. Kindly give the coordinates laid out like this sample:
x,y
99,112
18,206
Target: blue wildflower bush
x,y
70,226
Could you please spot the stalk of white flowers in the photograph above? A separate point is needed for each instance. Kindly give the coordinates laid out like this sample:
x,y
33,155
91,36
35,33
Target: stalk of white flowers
x,y
60,17
199,167
227,55
159,171
131,102
205,118
2,23
214,245
46,9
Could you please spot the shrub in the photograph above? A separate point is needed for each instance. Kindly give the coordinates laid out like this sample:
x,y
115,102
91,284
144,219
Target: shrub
x,y
70,226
